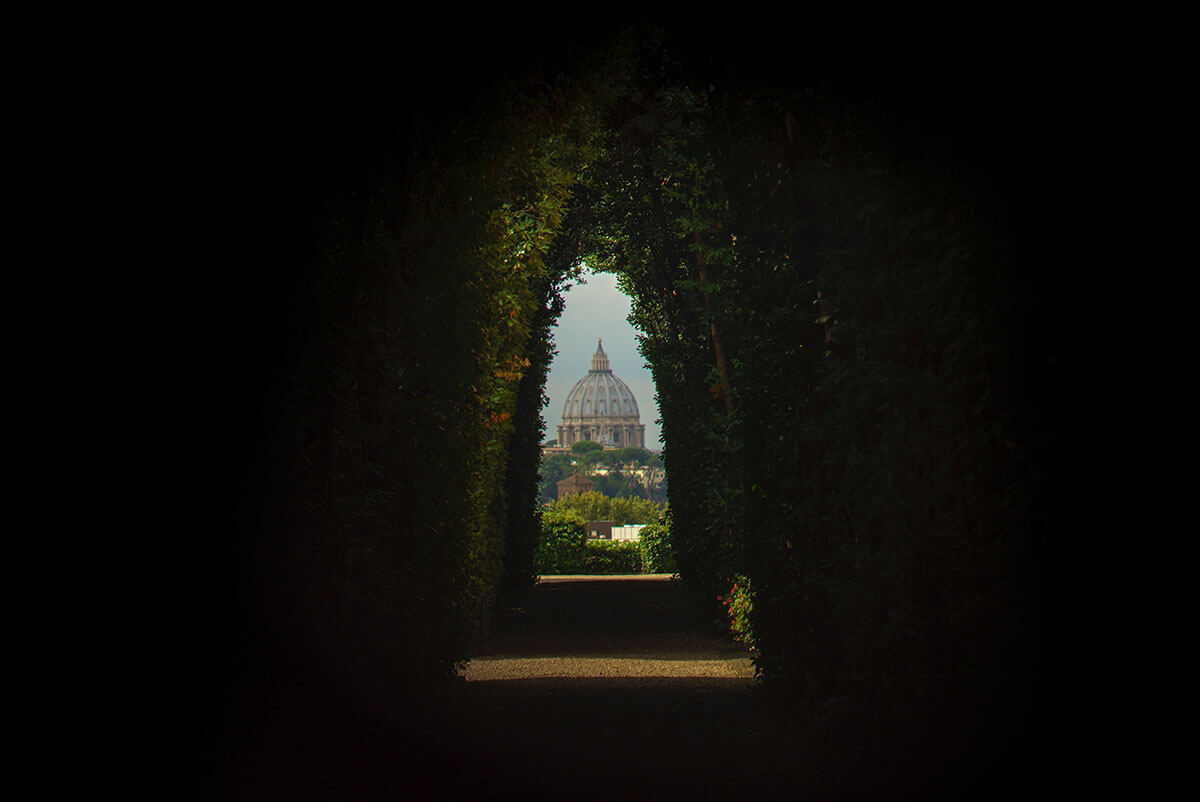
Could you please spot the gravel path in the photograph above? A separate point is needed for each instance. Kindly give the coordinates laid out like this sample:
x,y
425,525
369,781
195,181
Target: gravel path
x,y
593,688
606,688
607,627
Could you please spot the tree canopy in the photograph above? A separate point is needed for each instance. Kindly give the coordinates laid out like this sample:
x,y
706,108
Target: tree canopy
x,y
594,506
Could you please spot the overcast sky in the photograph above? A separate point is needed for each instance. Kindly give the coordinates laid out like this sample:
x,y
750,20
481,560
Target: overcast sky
x,y
598,310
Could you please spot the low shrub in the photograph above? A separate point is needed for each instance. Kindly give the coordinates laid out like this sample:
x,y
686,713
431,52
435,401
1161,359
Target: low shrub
x,y
655,545
560,548
612,557
563,548
740,605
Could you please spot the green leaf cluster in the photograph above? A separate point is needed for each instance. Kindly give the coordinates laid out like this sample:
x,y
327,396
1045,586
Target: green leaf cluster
x,y
829,325
612,557
595,506
658,556
836,324
404,437
561,546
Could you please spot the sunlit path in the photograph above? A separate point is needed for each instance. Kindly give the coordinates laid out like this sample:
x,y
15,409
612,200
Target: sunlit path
x,y
505,668
605,687
592,688
618,627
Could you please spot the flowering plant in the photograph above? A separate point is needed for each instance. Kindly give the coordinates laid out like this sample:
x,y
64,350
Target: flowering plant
x,y
739,603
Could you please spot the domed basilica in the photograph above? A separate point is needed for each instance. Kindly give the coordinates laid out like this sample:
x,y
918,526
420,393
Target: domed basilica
x,y
601,408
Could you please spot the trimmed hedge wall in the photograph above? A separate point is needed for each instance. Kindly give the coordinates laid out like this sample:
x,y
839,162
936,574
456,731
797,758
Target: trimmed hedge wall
x,y
612,557
563,548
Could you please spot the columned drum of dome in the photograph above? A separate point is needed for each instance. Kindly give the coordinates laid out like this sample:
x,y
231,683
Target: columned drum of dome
x,y
601,407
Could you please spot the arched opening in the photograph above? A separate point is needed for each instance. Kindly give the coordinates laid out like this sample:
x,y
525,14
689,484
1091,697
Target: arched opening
x,y
864,431
596,309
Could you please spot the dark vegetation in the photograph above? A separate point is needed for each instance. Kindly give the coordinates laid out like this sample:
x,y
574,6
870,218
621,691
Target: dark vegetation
x,y
858,279
616,482
564,548
594,506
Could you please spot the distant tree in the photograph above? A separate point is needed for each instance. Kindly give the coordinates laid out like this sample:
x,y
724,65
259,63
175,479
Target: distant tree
x,y
594,506
553,469
592,458
659,493
631,510
591,506
616,484
585,446
634,454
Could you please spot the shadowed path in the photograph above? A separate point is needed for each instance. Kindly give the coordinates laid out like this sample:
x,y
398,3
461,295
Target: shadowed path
x,y
593,688
604,687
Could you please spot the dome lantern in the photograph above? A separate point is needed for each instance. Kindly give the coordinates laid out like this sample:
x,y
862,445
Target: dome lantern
x,y
600,359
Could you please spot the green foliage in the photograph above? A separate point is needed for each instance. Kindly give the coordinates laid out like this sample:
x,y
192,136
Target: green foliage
x,y
829,321
739,604
827,325
612,557
594,506
588,459
613,479
582,447
561,546
428,262
632,454
554,469
616,484
655,542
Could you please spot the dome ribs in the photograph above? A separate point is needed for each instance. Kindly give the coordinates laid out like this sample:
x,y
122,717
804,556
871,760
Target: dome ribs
x,y
601,407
